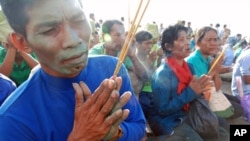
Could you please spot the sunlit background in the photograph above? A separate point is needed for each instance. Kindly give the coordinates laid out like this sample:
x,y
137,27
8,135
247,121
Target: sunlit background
x,y
234,13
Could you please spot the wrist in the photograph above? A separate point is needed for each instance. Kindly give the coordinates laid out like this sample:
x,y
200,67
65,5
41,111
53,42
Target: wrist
x,y
12,50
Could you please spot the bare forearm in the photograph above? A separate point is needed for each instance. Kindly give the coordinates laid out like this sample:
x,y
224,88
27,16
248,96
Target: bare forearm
x,y
139,68
217,81
29,59
7,65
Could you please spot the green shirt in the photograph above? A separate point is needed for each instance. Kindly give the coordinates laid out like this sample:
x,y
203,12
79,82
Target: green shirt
x,y
200,64
99,50
19,73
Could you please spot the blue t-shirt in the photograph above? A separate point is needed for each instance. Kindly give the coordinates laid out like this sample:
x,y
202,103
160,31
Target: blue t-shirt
x,y
7,86
42,109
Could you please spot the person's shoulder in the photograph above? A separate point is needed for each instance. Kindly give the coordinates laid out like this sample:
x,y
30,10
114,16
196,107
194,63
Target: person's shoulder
x,y
4,80
7,86
245,55
162,69
192,57
25,88
97,49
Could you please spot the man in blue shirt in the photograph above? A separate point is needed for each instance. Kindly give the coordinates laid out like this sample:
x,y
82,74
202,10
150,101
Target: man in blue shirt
x,y
99,106
242,70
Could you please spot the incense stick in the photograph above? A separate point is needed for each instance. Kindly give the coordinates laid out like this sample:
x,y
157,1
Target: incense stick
x,y
217,59
130,36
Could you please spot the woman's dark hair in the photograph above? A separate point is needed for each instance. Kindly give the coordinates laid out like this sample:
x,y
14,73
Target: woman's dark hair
x,y
143,35
169,35
202,31
15,12
108,24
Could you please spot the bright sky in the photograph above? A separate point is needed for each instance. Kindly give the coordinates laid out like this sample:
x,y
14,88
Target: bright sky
x,y
199,12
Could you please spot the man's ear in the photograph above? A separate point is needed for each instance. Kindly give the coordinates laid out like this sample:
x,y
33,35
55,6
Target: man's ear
x,y
19,42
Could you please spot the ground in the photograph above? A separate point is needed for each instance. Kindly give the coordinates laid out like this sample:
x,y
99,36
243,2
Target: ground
x,y
226,88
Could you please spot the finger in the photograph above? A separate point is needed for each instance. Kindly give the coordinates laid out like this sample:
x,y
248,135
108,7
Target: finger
x,y
98,92
101,96
86,91
107,92
204,78
194,80
125,114
115,127
78,94
207,86
113,118
122,101
108,106
118,82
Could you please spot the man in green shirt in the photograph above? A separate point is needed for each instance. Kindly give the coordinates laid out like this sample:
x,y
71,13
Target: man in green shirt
x,y
15,64
113,40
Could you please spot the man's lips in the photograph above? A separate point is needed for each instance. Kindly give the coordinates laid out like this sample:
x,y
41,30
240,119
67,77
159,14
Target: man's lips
x,y
75,58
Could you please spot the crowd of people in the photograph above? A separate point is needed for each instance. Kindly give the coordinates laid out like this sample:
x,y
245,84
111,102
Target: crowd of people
x,y
57,77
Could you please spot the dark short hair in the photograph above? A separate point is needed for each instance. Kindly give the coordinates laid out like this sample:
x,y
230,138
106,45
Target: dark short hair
x,y
170,34
108,24
217,25
143,35
15,12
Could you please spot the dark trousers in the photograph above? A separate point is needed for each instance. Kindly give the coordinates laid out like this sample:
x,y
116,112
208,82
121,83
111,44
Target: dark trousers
x,y
184,132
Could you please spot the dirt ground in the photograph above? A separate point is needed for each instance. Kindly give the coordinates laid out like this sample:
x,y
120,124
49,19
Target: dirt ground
x,y
226,88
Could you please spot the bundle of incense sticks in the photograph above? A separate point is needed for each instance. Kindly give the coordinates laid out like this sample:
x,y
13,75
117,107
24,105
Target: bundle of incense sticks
x,y
130,36
217,60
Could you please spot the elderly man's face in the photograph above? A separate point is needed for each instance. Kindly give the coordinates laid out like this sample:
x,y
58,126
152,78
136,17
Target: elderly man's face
x,y
59,33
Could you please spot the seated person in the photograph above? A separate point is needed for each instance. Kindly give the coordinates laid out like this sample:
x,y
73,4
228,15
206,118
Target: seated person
x,y
206,46
242,69
174,87
7,86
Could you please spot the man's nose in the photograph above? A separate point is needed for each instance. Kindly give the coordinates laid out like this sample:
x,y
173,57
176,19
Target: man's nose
x,y
71,37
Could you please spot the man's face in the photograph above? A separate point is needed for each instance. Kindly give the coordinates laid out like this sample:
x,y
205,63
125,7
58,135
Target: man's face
x,y
145,46
58,32
117,36
209,45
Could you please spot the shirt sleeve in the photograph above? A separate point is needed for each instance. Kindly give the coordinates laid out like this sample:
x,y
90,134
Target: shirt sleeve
x,y
245,67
